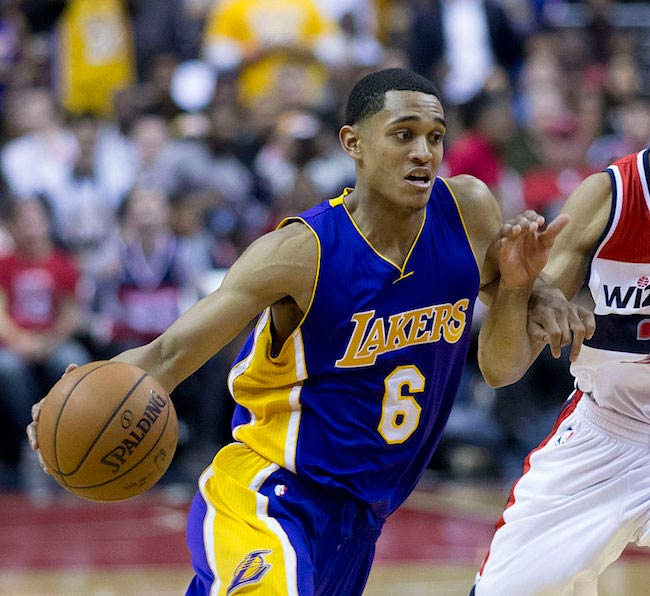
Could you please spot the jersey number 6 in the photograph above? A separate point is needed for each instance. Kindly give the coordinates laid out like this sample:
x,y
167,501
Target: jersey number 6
x,y
400,412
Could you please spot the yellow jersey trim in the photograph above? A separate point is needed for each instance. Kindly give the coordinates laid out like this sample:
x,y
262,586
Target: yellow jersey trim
x,y
462,220
296,331
340,201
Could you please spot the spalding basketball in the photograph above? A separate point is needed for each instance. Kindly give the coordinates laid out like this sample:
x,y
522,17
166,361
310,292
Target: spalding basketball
x,y
107,431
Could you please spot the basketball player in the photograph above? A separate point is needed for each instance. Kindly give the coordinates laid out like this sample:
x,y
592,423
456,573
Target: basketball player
x,y
345,384
585,491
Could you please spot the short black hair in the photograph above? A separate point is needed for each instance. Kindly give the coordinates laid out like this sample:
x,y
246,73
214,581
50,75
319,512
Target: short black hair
x,y
368,96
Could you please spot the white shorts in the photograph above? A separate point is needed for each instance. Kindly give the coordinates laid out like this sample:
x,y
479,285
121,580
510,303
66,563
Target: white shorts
x,y
584,495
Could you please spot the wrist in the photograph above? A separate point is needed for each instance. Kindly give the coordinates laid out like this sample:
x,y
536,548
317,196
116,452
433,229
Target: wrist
x,y
519,288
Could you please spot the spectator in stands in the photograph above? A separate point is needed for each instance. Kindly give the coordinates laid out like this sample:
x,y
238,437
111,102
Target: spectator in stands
x,y
274,47
461,42
39,315
563,164
39,159
97,181
196,245
301,162
357,20
629,132
164,162
152,95
163,28
94,54
480,150
142,275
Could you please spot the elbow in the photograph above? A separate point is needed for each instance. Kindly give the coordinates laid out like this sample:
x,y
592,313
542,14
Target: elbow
x,y
493,380
496,375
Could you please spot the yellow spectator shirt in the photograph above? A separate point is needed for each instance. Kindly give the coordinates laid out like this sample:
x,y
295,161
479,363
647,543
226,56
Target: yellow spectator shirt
x,y
94,54
262,27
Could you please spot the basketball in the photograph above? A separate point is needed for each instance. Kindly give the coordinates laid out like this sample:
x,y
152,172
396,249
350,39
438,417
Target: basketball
x,y
107,431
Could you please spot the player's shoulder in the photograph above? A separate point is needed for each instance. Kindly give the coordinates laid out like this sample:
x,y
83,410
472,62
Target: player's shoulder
x,y
293,241
280,263
593,193
477,205
470,190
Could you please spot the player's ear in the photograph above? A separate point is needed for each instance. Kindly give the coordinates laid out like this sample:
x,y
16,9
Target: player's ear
x,y
349,138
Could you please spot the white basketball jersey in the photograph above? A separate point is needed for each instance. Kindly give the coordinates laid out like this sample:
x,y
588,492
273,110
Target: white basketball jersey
x,y
614,365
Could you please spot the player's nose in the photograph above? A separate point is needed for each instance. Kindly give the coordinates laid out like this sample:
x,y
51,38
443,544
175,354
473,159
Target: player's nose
x,y
421,151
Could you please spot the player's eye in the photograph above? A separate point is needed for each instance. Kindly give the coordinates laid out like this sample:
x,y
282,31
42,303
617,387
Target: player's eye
x,y
437,138
403,135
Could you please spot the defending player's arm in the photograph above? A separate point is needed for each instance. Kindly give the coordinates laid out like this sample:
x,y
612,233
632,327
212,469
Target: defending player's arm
x,y
588,208
278,265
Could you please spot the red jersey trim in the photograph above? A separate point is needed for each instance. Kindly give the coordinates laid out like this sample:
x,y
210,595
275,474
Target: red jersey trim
x,y
632,217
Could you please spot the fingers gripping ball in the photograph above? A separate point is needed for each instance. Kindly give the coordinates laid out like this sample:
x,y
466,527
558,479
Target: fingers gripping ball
x,y
107,431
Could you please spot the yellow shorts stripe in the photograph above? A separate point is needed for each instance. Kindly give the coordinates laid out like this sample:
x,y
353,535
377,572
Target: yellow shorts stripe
x,y
247,550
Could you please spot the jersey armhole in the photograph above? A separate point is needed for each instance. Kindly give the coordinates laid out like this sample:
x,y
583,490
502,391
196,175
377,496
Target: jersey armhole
x,y
608,227
297,330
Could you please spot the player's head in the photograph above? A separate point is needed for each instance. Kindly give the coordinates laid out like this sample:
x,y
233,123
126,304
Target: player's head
x,y
368,96
394,128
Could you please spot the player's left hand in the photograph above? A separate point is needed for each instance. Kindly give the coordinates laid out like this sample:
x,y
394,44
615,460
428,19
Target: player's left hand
x,y
553,320
32,427
523,247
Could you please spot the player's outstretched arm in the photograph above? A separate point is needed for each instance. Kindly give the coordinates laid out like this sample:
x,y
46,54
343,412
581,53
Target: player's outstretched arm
x,y
281,264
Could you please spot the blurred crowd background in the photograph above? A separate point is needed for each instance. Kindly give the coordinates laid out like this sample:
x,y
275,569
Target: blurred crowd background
x,y
145,143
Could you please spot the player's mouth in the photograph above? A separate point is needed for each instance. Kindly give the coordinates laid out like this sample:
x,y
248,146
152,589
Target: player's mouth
x,y
420,178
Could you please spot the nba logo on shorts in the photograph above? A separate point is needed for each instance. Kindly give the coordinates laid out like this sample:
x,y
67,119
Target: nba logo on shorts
x,y
565,436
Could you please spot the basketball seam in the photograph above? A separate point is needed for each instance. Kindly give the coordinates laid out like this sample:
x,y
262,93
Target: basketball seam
x,y
58,418
101,431
135,464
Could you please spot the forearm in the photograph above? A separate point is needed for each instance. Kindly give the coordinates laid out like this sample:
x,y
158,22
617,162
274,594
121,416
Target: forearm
x,y
505,349
191,341
149,358
169,361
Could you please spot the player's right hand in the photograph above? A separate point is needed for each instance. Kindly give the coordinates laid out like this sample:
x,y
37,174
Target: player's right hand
x,y
32,427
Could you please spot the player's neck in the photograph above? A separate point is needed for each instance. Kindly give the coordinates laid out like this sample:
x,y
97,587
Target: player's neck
x,y
390,229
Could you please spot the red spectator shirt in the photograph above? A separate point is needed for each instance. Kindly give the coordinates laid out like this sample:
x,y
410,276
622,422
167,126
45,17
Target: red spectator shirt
x,y
472,154
35,288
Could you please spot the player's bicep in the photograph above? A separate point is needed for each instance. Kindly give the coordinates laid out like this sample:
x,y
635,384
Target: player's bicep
x,y
588,209
277,265
486,247
482,217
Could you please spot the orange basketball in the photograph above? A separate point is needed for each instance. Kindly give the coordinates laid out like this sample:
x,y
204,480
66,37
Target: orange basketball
x,y
107,431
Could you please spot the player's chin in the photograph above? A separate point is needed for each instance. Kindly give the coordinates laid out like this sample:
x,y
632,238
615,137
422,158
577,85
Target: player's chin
x,y
417,193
